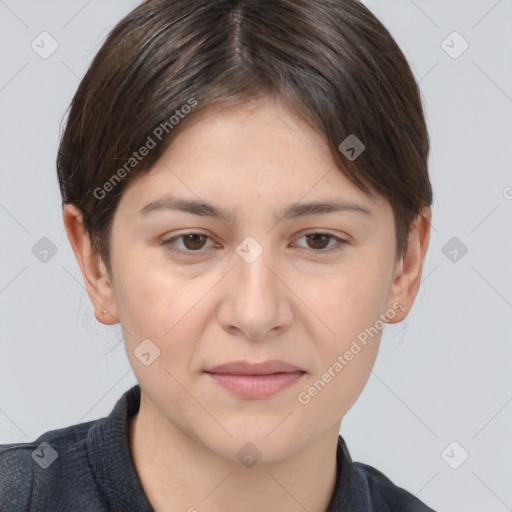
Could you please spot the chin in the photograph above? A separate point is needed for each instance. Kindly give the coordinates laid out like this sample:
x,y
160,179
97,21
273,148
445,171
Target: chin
x,y
263,442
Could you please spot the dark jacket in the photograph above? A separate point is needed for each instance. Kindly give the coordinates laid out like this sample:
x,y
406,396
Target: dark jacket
x,y
88,468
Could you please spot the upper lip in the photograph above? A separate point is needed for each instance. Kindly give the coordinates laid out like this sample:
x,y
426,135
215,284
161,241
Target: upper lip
x,y
247,368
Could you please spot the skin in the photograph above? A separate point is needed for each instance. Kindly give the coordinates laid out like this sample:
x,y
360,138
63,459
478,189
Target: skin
x,y
293,302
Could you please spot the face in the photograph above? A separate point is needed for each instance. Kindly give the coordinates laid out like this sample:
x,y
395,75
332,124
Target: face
x,y
253,285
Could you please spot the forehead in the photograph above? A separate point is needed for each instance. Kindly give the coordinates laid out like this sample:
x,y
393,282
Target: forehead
x,y
247,154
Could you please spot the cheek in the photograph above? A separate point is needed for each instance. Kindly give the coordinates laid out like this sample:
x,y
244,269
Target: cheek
x,y
147,300
348,326
164,307
345,359
350,376
331,392
357,315
346,300
147,283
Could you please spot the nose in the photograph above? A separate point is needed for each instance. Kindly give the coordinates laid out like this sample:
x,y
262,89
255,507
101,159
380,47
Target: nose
x,y
256,302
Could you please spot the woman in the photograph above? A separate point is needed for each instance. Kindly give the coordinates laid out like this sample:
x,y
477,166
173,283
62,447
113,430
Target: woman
x,y
245,188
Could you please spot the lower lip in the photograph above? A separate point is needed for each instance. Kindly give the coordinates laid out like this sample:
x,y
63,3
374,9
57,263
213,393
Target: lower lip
x,y
256,386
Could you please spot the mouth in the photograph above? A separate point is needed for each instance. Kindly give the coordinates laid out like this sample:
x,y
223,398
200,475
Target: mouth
x,y
247,368
255,380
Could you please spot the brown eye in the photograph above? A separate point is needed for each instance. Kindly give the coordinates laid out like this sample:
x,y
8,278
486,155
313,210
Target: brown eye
x,y
319,242
191,242
194,241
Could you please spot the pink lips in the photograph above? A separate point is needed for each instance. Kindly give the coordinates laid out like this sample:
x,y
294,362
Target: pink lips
x,y
252,381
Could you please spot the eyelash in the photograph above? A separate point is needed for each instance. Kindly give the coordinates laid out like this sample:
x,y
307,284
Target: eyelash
x,y
169,241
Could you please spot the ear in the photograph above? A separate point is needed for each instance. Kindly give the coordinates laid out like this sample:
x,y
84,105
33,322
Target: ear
x,y
407,278
96,278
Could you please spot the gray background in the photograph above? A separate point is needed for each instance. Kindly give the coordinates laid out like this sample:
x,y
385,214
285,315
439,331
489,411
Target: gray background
x,y
442,376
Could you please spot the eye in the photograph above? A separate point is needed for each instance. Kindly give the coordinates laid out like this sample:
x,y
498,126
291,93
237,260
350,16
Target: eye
x,y
193,242
318,240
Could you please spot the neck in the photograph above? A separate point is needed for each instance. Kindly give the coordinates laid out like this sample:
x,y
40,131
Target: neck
x,y
181,473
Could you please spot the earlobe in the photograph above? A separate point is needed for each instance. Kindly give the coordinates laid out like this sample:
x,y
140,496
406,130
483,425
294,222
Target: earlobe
x,y
407,278
95,275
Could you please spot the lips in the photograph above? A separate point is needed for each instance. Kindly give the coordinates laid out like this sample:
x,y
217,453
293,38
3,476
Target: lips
x,y
255,380
246,368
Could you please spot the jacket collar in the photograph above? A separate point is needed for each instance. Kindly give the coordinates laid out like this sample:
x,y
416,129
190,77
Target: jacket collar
x,y
110,457
351,491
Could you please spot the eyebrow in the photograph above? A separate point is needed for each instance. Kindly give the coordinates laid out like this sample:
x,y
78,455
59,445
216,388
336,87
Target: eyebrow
x,y
290,212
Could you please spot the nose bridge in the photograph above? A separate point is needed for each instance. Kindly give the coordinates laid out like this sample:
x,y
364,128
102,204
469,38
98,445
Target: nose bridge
x,y
253,274
256,304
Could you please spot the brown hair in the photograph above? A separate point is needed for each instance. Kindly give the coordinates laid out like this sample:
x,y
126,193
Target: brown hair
x,y
331,61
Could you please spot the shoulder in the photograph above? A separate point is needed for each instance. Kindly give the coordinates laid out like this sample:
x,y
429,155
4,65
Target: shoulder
x,y
387,494
30,472
16,477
